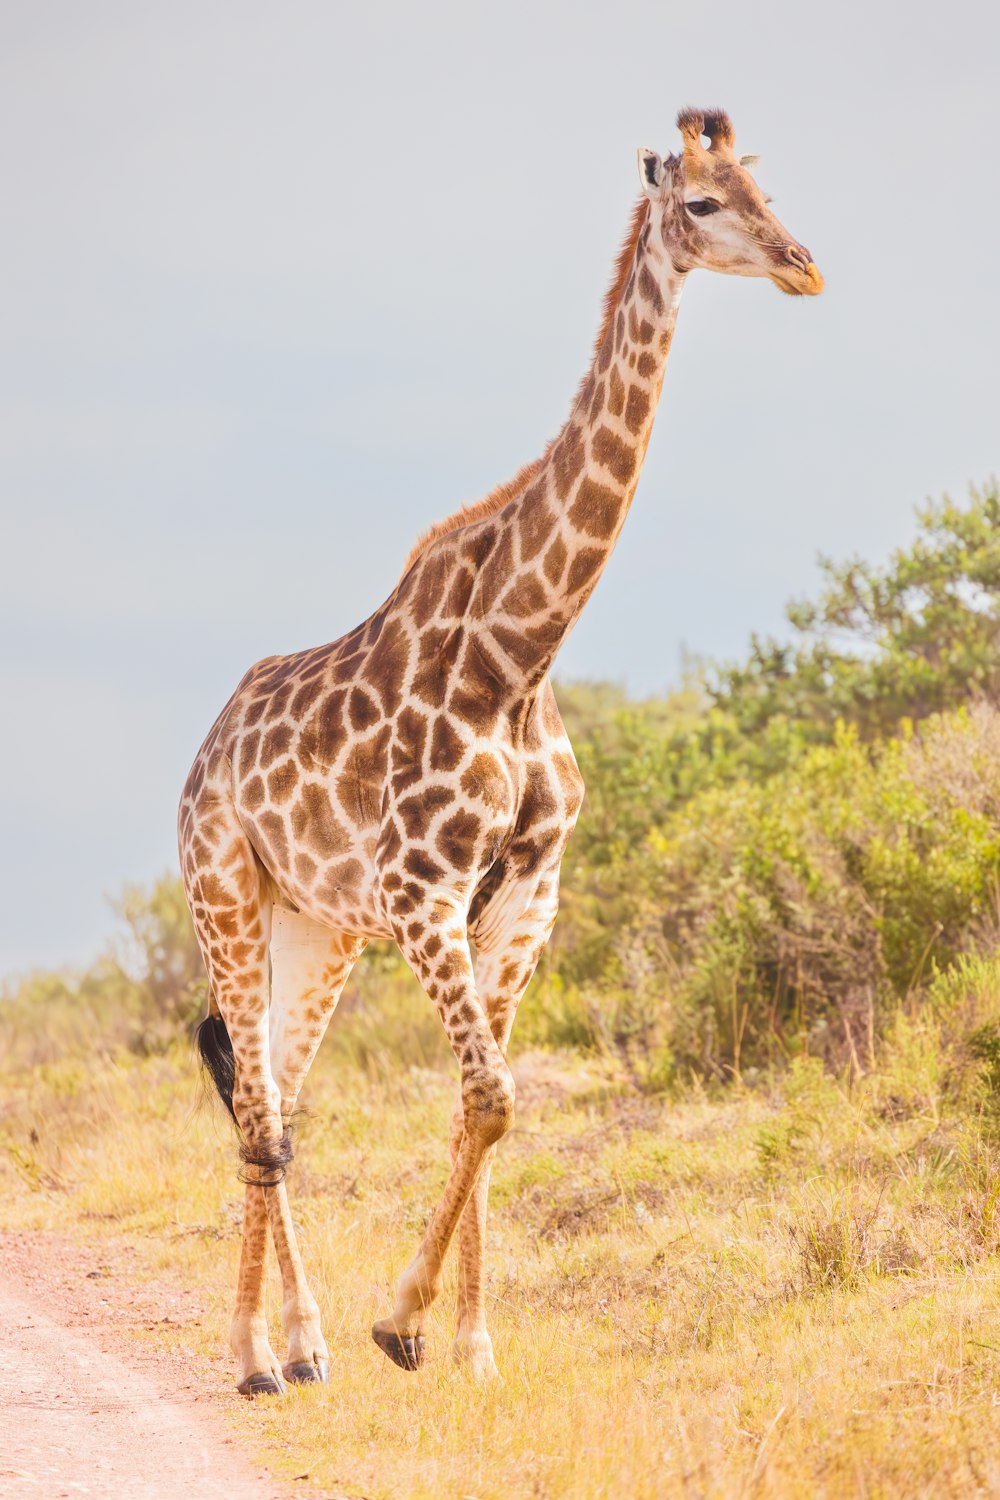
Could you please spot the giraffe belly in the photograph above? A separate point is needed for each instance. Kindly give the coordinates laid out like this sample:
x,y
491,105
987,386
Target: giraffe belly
x,y
342,894
356,913
321,868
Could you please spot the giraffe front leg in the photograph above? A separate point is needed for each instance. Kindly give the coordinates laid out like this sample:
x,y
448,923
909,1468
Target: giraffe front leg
x,y
507,955
487,1104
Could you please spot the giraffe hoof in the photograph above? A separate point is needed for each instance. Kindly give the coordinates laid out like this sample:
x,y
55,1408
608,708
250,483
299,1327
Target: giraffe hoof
x,y
260,1385
407,1353
304,1373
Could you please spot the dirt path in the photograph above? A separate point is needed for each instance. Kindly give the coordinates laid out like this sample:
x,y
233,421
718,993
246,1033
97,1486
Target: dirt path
x,y
85,1408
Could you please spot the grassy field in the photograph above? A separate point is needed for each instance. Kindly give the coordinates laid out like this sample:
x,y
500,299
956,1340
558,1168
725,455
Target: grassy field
x,y
789,1290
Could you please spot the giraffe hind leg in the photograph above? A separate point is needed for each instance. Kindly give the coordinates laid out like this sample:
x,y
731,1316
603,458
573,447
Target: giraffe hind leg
x,y
230,903
310,965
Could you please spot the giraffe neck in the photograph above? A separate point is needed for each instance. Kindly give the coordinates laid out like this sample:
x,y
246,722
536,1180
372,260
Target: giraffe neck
x,y
556,535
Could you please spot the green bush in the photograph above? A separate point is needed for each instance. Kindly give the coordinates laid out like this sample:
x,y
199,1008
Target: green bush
x,y
767,917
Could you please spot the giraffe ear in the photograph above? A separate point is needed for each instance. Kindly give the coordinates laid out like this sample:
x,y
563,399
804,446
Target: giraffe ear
x,y
650,172
749,161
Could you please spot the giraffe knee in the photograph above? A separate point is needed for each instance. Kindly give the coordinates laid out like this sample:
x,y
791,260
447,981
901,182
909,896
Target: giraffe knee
x,y
265,1140
265,1160
488,1104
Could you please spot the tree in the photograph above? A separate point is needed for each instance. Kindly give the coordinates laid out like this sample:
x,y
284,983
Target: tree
x,y
884,644
162,962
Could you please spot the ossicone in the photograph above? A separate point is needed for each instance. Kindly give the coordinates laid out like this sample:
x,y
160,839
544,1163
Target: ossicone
x,y
713,123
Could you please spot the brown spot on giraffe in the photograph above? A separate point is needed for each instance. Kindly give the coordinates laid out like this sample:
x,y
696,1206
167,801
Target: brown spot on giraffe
x,y
528,596
456,840
271,828
307,694
407,760
584,568
484,781
568,459
554,565
595,511
614,454
447,746
389,845
275,742
439,650
361,784
496,572
386,665
419,812
649,290
247,756
315,824
324,733
282,781
253,794
616,397
419,863
538,522
637,410
457,599
363,710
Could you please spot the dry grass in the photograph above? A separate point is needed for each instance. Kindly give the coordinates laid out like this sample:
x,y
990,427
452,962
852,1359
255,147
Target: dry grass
x,y
774,1294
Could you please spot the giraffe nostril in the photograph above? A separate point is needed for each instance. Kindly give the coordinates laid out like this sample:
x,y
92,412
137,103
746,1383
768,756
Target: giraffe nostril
x,y
799,256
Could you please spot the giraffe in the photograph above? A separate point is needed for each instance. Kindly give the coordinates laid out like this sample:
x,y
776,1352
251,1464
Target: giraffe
x,y
414,781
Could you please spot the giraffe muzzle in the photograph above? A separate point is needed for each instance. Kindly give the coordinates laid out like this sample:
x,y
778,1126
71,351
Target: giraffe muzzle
x,y
805,280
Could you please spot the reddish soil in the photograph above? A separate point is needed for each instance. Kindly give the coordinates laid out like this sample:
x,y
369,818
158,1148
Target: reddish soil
x,y
87,1407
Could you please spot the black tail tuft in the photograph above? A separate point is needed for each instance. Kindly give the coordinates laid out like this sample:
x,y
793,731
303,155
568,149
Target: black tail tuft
x,y
217,1054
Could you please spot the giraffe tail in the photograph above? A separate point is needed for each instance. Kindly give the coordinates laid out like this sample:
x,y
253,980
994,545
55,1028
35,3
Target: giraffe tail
x,y
216,1050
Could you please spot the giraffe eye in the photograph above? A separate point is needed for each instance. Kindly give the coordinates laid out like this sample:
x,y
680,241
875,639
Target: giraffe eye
x,y
702,207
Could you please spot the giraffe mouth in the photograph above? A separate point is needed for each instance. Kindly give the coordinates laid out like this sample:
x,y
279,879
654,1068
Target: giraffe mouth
x,y
805,283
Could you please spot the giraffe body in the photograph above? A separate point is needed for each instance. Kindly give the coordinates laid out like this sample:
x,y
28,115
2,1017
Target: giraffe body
x,y
331,760
414,781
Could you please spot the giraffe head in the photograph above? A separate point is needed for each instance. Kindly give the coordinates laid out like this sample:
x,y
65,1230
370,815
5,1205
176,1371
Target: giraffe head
x,y
714,215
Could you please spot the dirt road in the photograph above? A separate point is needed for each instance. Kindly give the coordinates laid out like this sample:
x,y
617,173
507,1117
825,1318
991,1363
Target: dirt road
x,y
85,1410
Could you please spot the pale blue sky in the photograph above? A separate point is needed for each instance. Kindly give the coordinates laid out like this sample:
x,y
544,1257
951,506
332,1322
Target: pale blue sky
x,y
283,284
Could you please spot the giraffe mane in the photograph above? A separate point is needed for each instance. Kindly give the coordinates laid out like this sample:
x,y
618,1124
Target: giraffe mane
x,y
489,505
